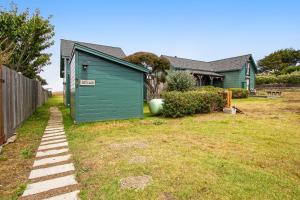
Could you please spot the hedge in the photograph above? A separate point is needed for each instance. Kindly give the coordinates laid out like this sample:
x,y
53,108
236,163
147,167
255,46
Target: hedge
x,y
209,88
239,93
179,104
293,78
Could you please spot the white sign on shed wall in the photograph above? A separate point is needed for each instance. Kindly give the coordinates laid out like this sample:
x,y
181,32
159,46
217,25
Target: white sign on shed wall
x,y
88,82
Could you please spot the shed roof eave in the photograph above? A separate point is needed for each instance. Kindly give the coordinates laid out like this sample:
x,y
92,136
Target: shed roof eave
x,y
108,57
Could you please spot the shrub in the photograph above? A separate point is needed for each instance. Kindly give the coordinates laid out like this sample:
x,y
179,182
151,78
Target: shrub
x,y
293,78
179,104
290,69
209,88
180,81
238,93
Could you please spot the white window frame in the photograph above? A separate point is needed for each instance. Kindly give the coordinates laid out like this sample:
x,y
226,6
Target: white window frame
x,y
248,69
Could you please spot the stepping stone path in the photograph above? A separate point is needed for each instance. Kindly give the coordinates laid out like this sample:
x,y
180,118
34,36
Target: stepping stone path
x,y
52,176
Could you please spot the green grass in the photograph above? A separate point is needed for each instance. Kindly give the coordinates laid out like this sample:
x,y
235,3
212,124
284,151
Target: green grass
x,y
17,158
210,156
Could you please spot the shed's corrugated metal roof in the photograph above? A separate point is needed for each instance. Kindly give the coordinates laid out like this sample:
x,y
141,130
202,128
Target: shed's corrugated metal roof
x,y
66,47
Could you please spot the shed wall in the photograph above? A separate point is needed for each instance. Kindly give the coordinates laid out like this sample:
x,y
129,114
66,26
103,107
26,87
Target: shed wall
x,y
73,86
118,93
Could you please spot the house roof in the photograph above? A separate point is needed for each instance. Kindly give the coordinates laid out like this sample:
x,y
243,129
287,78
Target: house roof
x,y
228,64
80,47
66,47
188,63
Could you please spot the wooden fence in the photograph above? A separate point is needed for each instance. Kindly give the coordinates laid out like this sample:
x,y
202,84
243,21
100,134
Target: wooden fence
x,y
19,98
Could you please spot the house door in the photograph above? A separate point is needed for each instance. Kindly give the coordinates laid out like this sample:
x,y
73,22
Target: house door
x,y
248,83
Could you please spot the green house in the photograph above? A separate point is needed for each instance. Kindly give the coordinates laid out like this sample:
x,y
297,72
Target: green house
x,y
99,85
235,72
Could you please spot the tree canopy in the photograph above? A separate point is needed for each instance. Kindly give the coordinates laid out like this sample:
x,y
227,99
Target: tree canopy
x,y
279,60
30,36
158,67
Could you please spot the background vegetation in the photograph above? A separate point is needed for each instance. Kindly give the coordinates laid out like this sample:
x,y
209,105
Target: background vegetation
x,y
27,36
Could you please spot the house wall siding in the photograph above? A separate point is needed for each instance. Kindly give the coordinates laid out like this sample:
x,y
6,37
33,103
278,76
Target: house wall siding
x,y
243,76
231,79
118,93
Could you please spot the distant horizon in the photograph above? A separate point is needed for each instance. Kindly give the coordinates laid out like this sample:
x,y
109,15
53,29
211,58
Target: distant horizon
x,y
197,30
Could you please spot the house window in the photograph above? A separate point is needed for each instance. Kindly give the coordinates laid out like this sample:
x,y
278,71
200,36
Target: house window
x,y
248,83
248,69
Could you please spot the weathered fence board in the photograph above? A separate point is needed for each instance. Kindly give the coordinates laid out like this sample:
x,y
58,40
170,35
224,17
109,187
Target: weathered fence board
x,y
19,98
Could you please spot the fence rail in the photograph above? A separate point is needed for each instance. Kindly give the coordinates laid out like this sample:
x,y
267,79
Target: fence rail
x,y
19,98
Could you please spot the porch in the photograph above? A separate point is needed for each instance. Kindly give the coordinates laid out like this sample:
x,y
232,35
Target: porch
x,y
204,78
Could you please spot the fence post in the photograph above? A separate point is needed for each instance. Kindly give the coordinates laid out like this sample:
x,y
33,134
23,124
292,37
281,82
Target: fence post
x,y
2,135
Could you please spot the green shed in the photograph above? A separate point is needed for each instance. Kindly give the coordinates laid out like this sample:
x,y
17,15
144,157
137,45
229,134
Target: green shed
x,y
104,87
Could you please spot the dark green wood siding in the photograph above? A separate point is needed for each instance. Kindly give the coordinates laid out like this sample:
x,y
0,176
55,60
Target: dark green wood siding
x,y
237,79
118,93
231,79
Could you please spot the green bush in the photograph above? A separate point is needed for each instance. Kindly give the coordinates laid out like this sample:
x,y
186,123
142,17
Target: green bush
x,y
179,104
209,88
239,93
180,81
293,78
290,69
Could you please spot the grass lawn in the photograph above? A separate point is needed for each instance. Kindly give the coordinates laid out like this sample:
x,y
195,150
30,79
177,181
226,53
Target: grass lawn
x,y
212,156
17,158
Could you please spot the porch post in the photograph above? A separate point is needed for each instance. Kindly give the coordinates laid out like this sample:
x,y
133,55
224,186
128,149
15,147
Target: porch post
x,y
211,80
200,80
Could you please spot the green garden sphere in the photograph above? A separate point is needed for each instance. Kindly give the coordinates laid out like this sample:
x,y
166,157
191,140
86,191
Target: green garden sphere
x,y
155,106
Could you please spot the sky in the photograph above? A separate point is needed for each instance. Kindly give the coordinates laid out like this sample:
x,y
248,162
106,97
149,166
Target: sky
x,y
197,29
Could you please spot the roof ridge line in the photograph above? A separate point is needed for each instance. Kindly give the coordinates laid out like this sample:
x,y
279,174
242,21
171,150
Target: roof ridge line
x,y
74,41
186,58
229,58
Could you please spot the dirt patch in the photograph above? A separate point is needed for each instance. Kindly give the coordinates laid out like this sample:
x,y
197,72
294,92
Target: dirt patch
x,y
132,144
166,196
138,160
135,182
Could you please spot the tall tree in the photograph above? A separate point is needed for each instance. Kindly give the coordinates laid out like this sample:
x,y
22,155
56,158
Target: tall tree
x,y
31,35
157,66
5,52
279,60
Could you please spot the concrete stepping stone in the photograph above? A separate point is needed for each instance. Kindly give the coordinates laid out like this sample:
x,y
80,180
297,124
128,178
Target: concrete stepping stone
x,y
37,173
138,160
53,134
131,144
135,182
53,137
51,146
67,196
43,186
51,160
51,152
54,141
53,129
